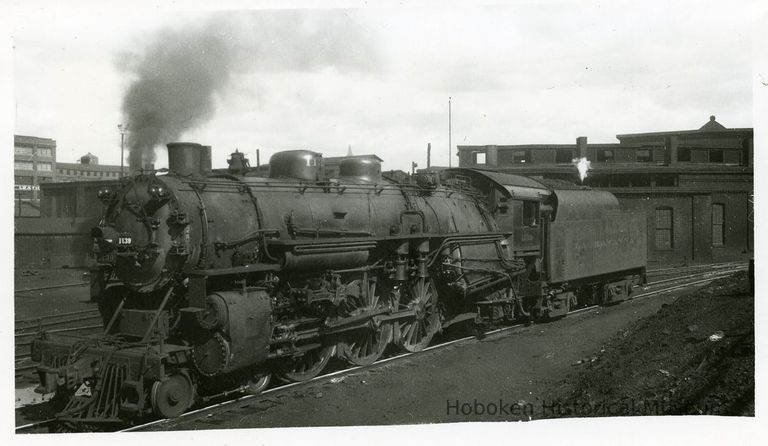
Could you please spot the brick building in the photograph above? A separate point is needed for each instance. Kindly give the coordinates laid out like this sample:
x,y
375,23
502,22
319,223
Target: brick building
x,y
34,162
88,169
695,186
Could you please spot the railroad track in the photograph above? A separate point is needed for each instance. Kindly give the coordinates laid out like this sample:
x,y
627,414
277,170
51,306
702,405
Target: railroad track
x,y
76,322
51,287
676,270
651,289
717,272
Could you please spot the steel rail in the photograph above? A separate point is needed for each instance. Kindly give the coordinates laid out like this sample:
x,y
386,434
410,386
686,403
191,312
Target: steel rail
x,y
50,287
53,316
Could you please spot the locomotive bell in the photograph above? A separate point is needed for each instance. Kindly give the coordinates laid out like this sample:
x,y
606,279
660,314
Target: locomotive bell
x,y
296,164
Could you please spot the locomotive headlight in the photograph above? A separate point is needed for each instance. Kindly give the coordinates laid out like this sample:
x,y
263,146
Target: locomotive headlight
x,y
157,191
106,194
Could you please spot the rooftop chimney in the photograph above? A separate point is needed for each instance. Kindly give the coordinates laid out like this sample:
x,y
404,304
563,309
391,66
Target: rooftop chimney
x,y
581,147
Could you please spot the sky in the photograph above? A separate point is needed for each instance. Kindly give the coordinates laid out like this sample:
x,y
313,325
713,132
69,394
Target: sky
x,y
379,79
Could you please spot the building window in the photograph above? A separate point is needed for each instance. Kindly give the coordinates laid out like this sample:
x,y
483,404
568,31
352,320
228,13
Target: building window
x,y
718,228
44,167
564,156
716,156
478,157
644,155
23,165
684,154
665,180
22,150
521,157
23,179
664,228
44,152
605,156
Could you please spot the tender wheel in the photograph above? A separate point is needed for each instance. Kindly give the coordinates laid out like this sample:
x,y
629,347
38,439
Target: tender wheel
x,y
258,383
365,345
306,366
172,396
416,333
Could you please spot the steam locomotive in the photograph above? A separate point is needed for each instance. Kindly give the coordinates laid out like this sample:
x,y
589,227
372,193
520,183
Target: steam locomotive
x,y
211,280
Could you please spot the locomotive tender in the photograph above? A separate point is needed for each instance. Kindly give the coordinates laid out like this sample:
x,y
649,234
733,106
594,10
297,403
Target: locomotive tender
x,y
226,278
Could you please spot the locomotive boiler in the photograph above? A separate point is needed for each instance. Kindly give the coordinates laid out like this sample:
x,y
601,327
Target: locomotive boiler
x,y
215,279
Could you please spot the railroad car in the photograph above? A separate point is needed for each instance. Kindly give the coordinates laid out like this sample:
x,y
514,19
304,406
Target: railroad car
x,y
211,280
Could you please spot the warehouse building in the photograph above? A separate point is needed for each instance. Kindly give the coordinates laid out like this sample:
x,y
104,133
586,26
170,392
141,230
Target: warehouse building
x,y
694,186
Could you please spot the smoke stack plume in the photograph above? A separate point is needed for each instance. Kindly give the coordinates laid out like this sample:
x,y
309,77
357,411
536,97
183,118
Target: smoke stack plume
x,y
178,77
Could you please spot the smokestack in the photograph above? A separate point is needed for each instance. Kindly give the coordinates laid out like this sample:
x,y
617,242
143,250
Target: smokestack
x,y
258,158
188,158
205,160
429,154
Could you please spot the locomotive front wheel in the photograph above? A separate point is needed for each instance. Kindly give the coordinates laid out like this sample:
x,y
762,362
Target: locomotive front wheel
x,y
416,333
258,383
365,345
306,366
172,396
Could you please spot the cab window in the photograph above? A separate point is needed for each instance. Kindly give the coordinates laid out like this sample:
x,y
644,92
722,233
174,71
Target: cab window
x,y
530,213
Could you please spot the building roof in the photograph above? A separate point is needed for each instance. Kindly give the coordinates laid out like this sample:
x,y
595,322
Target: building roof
x,y
91,167
710,128
712,125
607,145
23,139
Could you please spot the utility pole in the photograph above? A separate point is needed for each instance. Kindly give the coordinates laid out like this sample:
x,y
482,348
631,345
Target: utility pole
x,y
449,131
123,128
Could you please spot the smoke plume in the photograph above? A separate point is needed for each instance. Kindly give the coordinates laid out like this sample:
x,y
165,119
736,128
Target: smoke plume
x,y
180,73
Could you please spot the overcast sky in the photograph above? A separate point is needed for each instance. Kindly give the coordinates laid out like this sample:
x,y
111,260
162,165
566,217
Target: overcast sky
x,y
379,79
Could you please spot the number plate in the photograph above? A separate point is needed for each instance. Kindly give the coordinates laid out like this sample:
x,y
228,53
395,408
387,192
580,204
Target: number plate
x,y
124,240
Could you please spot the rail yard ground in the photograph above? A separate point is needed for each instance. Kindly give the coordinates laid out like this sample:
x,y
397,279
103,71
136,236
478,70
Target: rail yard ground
x,y
636,354
696,356
38,292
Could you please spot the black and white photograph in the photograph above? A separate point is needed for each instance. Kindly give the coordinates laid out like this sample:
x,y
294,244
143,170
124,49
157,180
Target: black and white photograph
x,y
375,222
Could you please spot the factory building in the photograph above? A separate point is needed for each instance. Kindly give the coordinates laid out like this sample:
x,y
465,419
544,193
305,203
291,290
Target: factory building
x,y
694,186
